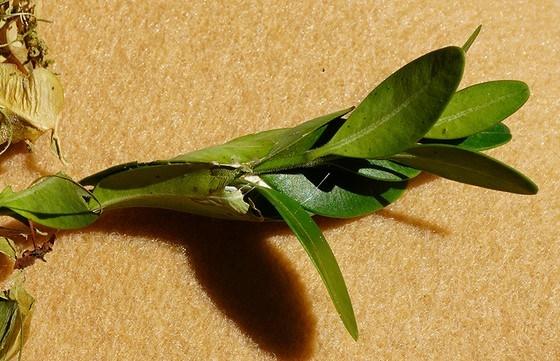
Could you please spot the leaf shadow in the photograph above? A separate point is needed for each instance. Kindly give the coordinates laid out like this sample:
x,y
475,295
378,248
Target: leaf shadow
x,y
248,280
421,180
326,223
416,222
30,159
33,165
12,151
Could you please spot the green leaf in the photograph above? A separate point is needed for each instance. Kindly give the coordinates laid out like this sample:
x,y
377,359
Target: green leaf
x,y
378,169
255,148
245,149
295,155
259,147
490,138
55,201
479,107
396,114
487,139
335,193
93,179
318,249
290,140
202,189
466,166
16,309
471,39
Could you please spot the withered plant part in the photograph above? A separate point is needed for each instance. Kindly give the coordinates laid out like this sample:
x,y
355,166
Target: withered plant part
x,y
42,243
31,96
28,257
19,37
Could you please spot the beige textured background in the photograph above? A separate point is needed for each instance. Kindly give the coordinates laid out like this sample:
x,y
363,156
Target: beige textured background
x,y
448,272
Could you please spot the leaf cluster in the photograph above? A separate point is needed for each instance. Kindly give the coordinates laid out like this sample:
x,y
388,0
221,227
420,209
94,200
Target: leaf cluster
x,y
345,164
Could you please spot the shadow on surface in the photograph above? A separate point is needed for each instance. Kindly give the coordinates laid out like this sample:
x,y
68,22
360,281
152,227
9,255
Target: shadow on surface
x,y
416,222
12,151
420,180
247,279
30,159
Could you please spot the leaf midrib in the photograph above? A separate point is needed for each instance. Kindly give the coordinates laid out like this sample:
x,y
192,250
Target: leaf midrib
x,y
450,118
372,127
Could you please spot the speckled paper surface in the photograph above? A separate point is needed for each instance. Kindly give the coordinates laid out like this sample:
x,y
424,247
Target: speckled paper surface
x,y
448,272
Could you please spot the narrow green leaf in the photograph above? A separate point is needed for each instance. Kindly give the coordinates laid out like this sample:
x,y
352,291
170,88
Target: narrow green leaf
x,y
378,169
490,138
295,135
55,201
245,149
290,152
471,39
259,147
295,156
479,107
466,166
318,249
93,179
487,139
335,193
202,189
397,113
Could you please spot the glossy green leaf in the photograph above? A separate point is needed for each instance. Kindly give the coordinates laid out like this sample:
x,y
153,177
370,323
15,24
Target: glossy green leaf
x,y
290,140
259,147
490,138
397,113
378,169
471,39
479,107
335,193
201,189
487,139
318,249
55,201
466,166
95,178
245,149
295,155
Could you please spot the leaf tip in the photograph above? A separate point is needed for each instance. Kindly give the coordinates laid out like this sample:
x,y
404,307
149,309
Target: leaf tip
x,y
526,91
531,188
349,320
472,38
353,330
